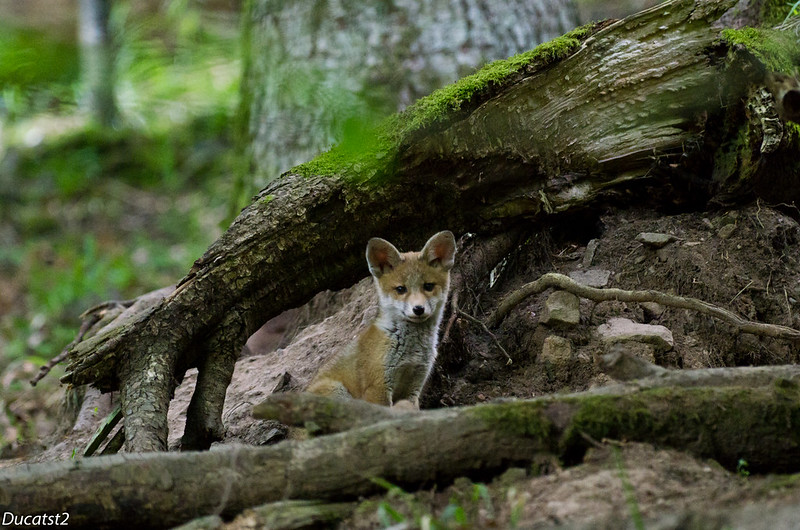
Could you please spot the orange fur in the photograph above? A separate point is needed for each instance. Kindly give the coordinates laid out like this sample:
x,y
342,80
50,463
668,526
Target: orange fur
x,y
391,360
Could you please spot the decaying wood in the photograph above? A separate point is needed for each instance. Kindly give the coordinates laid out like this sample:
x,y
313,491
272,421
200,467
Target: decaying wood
x,y
724,423
630,104
322,415
326,416
565,283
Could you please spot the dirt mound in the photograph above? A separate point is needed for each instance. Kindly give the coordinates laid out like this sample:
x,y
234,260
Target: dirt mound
x,y
743,260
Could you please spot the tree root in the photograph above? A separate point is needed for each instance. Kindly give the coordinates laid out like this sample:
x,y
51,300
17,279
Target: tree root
x,y
564,283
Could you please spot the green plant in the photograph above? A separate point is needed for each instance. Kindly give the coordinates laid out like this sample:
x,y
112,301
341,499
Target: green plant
x,y
794,10
741,468
627,488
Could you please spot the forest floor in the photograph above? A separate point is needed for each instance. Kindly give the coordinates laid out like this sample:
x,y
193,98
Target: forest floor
x,y
746,260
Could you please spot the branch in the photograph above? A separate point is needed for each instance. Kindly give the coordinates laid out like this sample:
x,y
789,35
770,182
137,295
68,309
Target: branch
x,y
564,283
322,415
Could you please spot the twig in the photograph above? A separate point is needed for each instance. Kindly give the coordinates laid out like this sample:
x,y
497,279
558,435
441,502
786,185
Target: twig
x,y
487,331
85,326
740,292
559,281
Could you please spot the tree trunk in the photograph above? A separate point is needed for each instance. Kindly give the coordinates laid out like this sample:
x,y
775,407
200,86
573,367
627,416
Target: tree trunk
x,y
162,490
634,106
97,58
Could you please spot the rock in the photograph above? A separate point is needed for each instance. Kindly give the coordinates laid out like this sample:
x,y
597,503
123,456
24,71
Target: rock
x,y
561,309
625,330
629,360
591,250
655,239
651,310
556,350
591,277
726,231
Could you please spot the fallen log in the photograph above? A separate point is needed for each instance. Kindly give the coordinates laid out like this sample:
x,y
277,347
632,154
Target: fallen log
x,y
155,490
322,415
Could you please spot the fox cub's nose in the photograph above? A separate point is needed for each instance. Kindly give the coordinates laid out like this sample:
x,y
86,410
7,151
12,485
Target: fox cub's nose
x,y
419,310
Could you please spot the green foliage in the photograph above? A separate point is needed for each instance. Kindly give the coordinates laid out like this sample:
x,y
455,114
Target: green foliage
x,y
37,72
171,66
471,505
741,468
793,11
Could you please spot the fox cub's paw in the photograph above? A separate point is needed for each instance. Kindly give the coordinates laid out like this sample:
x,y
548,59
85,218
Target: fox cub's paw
x,y
405,405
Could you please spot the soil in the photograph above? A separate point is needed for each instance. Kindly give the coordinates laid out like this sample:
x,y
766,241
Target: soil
x,y
745,260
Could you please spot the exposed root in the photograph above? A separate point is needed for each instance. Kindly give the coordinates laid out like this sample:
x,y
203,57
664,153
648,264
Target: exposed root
x,y
559,281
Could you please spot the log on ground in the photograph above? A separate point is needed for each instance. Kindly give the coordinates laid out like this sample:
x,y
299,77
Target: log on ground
x,y
759,424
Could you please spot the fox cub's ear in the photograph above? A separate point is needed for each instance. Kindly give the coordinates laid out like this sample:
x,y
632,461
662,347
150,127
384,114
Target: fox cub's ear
x,y
382,256
440,250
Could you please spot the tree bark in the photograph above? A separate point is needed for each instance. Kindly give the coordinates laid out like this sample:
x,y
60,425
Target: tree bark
x,y
97,57
560,131
161,490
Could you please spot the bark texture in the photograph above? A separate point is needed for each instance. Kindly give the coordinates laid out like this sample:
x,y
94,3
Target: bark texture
x,y
638,103
97,58
161,490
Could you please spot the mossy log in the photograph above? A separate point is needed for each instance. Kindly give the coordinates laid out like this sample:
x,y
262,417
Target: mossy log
x,y
320,415
630,106
761,424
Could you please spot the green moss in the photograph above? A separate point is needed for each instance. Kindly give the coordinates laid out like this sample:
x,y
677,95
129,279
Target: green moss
x,y
609,417
266,199
779,51
518,418
442,102
782,482
373,156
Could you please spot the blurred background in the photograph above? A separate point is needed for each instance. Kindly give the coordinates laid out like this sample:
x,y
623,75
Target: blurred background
x,y
132,133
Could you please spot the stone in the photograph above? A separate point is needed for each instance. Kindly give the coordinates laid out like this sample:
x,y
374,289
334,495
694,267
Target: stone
x,y
655,239
561,309
726,231
556,350
651,310
591,277
629,360
625,330
591,250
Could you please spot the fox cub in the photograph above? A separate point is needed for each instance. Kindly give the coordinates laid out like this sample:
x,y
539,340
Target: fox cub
x,y
390,361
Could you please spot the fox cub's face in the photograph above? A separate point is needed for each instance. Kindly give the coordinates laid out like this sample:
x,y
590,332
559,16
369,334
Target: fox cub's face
x,y
412,285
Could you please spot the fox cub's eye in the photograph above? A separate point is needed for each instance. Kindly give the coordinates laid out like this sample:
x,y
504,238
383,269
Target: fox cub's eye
x,y
401,289
428,286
